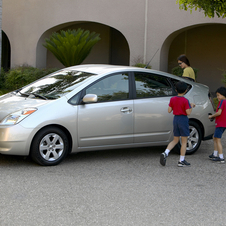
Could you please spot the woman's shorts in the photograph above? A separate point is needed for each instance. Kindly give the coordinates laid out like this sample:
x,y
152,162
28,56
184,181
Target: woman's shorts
x,y
219,132
181,126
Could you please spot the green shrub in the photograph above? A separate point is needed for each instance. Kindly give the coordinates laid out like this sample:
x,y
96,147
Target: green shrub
x,y
178,71
224,77
215,102
141,65
21,76
2,78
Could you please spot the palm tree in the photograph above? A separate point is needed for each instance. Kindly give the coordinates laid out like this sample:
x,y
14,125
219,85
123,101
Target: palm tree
x,y
71,47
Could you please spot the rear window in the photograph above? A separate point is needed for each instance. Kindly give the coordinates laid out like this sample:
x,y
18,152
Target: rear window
x,y
174,81
152,85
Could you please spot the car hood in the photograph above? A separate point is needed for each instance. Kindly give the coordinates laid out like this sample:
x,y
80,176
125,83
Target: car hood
x,y
11,103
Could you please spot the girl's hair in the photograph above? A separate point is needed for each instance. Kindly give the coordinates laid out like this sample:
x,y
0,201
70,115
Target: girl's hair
x,y
184,59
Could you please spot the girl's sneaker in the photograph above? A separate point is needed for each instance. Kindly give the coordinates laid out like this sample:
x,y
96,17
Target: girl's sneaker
x,y
218,159
183,163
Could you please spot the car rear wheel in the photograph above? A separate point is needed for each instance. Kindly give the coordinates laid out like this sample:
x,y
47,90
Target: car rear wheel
x,y
194,139
49,147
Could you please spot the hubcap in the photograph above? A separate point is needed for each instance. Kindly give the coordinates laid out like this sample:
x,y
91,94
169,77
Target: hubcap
x,y
193,138
51,147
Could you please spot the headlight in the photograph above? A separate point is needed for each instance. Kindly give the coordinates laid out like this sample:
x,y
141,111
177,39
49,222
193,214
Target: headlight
x,y
17,116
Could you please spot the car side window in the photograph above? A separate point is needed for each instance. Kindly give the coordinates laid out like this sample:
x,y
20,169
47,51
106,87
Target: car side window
x,y
152,85
75,99
114,87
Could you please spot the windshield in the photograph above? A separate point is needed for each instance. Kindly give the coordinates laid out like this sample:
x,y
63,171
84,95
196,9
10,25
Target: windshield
x,y
55,85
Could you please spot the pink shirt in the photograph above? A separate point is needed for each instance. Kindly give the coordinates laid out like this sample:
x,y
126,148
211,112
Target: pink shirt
x,y
179,105
221,119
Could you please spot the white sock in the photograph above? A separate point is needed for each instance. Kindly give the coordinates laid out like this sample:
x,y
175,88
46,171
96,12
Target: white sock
x,y
182,158
215,153
167,151
221,156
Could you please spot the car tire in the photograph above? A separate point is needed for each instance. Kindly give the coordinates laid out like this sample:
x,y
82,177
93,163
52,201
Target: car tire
x,y
194,139
49,147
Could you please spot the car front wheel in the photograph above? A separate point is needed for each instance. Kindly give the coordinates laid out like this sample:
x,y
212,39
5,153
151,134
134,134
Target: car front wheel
x,y
194,139
49,147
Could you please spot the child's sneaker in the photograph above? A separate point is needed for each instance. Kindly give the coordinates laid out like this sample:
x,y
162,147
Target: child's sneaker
x,y
212,156
163,159
218,159
183,163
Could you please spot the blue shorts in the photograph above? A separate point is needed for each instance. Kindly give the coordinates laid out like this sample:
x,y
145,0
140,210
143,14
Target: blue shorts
x,y
181,126
219,132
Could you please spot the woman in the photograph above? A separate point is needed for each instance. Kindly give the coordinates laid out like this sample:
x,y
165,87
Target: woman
x,y
188,71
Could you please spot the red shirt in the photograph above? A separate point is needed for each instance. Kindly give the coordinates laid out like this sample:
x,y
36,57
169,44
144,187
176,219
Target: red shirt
x,y
179,105
221,119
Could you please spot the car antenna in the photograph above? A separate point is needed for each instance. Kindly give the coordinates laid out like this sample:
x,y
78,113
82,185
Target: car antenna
x,y
151,59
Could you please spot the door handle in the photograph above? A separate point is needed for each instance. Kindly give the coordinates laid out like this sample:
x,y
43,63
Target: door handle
x,y
126,110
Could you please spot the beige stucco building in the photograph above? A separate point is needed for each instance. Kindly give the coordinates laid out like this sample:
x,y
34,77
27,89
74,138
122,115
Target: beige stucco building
x,y
130,31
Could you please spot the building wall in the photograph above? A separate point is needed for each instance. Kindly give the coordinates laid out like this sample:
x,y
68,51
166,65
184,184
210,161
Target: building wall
x,y
25,29
149,27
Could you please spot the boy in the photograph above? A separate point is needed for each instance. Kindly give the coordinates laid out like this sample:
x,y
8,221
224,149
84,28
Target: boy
x,y
220,122
181,108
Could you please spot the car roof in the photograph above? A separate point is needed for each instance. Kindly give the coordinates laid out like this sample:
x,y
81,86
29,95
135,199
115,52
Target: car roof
x,y
106,68
101,69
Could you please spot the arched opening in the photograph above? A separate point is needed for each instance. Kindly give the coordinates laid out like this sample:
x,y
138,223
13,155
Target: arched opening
x,y
6,52
113,47
205,48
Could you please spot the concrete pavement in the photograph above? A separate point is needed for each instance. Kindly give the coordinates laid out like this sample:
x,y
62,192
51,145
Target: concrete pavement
x,y
115,188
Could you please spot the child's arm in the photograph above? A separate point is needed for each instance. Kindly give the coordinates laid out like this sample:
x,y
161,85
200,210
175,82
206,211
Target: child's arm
x,y
188,111
218,113
170,109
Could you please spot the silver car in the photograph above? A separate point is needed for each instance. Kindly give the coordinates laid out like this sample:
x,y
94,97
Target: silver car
x,y
97,107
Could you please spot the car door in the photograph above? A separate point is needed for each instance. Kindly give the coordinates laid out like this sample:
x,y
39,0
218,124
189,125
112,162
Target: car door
x,y
109,121
152,122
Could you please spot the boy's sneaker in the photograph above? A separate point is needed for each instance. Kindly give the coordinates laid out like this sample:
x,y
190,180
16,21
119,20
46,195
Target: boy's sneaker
x,y
183,163
212,156
163,159
218,159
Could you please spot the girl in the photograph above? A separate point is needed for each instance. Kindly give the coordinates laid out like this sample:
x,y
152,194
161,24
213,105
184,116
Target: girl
x,y
188,71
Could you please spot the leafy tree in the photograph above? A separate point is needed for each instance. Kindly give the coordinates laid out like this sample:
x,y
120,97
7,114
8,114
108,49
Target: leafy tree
x,y
71,47
210,7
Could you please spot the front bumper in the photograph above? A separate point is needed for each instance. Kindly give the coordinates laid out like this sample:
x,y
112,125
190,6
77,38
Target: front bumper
x,y
15,140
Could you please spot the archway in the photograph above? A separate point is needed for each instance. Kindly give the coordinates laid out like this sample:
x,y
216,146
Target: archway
x,y
113,47
205,47
6,52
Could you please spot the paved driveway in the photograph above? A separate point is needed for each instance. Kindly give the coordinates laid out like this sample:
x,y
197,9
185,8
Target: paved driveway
x,y
120,187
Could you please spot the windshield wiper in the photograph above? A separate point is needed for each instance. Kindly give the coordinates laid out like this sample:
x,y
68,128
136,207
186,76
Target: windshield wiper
x,y
18,91
29,94
37,95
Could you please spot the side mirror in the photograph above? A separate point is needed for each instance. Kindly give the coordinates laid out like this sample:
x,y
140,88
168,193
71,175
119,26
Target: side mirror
x,y
90,98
